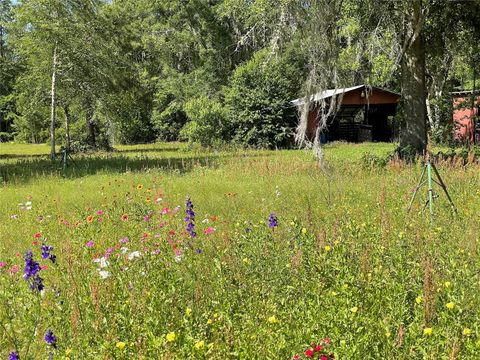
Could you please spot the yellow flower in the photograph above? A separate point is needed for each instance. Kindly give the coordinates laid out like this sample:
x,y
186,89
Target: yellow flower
x,y
388,334
199,344
333,293
447,284
188,312
139,186
272,319
171,336
292,223
354,309
418,300
148,200
450,306
68,351
304,231
246,261
428,331
120,345
209,321
467,332
327,248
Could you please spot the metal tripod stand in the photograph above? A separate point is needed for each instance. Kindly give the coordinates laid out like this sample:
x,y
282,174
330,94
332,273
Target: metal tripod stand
x,y
428,167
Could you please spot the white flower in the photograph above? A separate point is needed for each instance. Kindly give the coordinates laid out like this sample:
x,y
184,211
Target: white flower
x,y
133,255
104,274
103,262
124,250
178,258
205,221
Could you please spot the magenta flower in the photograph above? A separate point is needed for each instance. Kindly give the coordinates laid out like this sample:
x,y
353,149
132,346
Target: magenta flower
x,y
2,264
90,244
209,230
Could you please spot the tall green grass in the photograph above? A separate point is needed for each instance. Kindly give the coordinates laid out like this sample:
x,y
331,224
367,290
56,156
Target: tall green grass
x,y
345,262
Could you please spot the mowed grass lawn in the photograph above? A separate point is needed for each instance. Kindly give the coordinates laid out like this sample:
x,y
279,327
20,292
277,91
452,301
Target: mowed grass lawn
x,y
343,261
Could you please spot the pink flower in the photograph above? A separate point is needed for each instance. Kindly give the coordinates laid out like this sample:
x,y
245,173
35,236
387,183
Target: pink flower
x,y
90,244
162,224
165,211
295,357
2,264
146,218
309,353
100,219
100,212
124,240
14,269
324,357
43,267
318,348
209,230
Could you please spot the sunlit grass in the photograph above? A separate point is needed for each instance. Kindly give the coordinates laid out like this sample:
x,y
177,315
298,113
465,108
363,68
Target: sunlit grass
x,y
345,262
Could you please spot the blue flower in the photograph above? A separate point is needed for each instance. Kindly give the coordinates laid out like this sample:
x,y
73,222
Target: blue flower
x,y
31,272
13,356
31,266
190,218
51,339
47,253
272,221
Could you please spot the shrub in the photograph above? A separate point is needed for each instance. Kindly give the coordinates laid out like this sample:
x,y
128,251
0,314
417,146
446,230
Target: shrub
x,y
258,100
207,125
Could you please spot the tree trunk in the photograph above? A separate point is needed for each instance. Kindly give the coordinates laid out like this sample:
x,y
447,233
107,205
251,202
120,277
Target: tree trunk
x,y
414,133
66,110
53,104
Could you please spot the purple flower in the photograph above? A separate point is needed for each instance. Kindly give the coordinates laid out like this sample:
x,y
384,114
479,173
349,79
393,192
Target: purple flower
x,y
272,221
51,339
31,272
13,356
190,218
31,266
46,253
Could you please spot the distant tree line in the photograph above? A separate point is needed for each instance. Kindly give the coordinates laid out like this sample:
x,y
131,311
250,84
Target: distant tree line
x,y
89,73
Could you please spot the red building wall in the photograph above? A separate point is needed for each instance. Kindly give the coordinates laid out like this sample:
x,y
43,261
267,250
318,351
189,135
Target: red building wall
x,y
464,117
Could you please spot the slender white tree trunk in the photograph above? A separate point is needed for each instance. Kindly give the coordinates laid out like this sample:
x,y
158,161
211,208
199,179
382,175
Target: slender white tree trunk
x,y
53,104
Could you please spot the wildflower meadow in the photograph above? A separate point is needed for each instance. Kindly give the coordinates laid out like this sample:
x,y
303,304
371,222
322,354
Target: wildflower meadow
x,y
158,252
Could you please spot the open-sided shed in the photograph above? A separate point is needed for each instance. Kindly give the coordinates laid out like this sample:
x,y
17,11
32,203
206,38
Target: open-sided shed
x,y
364,113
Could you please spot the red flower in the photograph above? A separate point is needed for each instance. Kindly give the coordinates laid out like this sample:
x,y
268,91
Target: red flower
x,y
37,235
318,348
324,357
326,341
34,242
309,353
125,217
296,357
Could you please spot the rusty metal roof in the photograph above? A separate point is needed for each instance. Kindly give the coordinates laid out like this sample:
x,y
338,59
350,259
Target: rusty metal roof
x,y
340,91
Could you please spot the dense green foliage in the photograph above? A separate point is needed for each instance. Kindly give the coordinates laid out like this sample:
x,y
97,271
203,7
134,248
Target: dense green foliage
x,y
345,261
130,71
